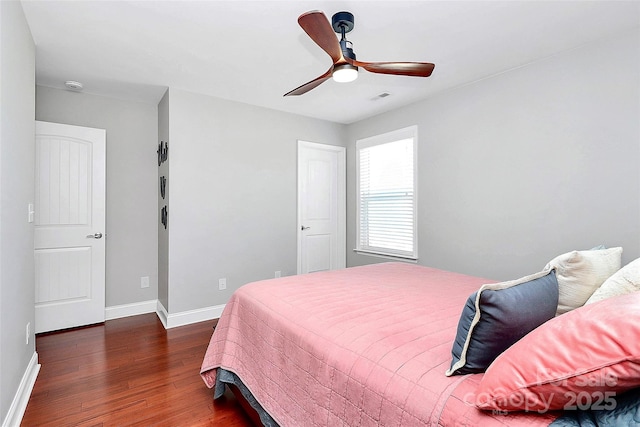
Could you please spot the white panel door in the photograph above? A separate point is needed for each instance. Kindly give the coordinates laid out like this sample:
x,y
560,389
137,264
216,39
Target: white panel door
x,y
321,207
69,226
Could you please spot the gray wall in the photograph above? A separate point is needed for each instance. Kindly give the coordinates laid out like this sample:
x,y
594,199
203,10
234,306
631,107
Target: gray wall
x,y
233,194
163,234
17,152
526,165
132,184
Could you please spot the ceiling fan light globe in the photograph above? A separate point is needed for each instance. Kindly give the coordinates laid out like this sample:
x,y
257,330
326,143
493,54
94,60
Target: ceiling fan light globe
x,y
345,73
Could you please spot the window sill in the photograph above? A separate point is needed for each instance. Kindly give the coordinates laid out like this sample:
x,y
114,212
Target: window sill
x,y
387,256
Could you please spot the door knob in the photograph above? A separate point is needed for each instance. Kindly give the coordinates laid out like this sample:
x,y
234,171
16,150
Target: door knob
x,y
94,236
304,228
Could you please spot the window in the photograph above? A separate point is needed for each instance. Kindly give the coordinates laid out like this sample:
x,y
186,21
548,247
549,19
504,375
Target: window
x,y
386,194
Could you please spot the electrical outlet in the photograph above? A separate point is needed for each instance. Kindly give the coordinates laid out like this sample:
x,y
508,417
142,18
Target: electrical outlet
x,y
28,333
222,284
278,274
144,282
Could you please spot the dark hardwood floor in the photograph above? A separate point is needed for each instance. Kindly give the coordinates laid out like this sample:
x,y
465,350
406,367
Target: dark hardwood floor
x,y
127,372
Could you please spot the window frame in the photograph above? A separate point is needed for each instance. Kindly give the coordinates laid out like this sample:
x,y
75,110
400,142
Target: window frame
x,y
410,132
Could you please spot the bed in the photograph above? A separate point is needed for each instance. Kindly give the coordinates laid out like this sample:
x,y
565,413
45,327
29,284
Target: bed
x,y
362,346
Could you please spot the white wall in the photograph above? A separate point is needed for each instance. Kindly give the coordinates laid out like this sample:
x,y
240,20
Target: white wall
x,y
132,184
17,151
526,165
233,194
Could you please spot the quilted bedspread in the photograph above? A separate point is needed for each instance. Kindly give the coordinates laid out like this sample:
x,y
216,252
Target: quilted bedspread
x,y
362,346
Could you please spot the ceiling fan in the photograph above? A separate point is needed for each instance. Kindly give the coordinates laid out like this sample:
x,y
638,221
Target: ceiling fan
x,y
345,66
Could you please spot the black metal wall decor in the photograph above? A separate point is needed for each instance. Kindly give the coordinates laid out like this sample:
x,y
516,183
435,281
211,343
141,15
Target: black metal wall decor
x,y
163,152
163,186
164,217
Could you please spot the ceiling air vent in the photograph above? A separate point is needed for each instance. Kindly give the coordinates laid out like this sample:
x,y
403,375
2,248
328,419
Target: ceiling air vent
x,y
380,96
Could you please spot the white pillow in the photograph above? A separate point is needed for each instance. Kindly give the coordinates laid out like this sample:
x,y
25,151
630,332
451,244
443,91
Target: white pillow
x,y
580,273
624,281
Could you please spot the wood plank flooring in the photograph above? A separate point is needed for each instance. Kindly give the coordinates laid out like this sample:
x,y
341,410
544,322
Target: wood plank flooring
x,y
127,372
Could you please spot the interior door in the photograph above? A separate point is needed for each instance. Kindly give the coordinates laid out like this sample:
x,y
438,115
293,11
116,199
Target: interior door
x,y
69,226
321,207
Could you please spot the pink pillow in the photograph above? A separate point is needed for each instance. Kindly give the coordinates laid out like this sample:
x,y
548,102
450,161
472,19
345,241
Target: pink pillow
x,y
578,360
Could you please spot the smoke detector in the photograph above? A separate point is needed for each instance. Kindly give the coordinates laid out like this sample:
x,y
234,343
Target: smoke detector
x,y
73,85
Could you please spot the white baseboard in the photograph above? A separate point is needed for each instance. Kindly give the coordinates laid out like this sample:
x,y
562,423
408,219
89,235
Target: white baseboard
x,y
21,399
162,314
133,309
168,320
188,317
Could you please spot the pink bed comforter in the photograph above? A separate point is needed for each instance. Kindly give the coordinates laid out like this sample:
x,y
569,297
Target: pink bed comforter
x,y
363,346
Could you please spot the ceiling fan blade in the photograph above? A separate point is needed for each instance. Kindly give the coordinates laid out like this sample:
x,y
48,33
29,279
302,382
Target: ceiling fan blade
x,y
311,85
416,69
317,26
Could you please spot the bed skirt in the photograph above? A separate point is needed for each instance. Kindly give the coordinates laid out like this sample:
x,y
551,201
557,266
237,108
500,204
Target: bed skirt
x,y
224,377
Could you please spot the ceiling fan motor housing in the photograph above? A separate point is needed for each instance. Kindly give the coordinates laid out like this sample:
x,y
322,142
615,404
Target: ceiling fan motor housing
x,y
347,49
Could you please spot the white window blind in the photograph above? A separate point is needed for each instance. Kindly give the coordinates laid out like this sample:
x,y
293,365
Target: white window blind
x,y
387,194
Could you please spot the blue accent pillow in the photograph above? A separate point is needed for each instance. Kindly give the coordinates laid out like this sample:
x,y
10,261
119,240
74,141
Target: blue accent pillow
x,y
498,315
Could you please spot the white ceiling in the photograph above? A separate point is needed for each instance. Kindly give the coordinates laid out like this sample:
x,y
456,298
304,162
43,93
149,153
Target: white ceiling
x,y
254,51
